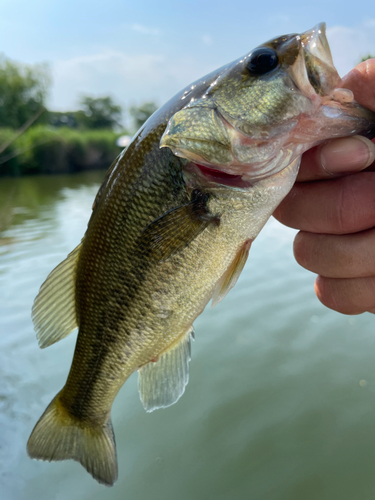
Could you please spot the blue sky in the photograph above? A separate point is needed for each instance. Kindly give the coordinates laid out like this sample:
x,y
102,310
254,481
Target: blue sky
x,y
149,50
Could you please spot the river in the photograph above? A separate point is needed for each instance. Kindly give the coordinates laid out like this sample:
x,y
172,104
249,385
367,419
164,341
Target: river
x,y
281,399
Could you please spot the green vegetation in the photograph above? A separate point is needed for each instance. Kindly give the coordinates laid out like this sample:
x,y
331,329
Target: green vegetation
x,y
364,58
35,140
141,113
99,113
43,149
23,90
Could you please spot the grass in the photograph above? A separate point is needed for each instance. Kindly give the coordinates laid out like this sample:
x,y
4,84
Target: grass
x,y
46,150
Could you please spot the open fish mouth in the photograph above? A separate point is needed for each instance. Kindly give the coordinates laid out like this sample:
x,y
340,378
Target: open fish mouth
x,y
321,71
314,72
315,41
337,111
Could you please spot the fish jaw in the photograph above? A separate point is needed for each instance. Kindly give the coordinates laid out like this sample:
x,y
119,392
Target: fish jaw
x,y
336,113
298,106
322,76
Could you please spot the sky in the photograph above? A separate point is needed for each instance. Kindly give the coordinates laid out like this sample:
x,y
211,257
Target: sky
x,y
150,49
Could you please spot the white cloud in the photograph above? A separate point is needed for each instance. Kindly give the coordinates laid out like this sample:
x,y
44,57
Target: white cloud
x,y
348,45
144,30
133,78
127,78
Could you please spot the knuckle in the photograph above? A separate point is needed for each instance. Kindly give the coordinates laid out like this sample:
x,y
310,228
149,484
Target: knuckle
x,y
344,206
299,249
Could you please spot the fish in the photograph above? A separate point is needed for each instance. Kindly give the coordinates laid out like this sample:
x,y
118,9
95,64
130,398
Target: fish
x,y
171,229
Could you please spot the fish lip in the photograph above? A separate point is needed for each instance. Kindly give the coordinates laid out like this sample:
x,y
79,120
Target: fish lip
x,y
315,41
314,71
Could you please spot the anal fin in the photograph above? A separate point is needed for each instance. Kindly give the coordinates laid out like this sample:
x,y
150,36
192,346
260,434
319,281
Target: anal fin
x,y
163,382
231,275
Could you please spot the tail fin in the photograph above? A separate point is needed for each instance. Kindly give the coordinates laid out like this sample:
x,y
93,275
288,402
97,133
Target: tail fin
x,y
60,436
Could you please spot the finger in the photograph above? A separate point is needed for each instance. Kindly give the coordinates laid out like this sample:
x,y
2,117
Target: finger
x,y
360,81
341,206
347,296
337,157
332,256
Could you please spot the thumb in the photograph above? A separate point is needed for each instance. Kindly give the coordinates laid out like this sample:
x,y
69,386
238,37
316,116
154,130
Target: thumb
x,y
346,155
337,157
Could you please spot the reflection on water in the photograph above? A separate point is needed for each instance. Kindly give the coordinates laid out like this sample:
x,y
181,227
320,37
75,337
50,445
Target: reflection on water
x,y
281,399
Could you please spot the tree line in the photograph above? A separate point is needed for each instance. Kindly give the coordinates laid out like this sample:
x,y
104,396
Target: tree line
x,y
101,113
34,139
24,90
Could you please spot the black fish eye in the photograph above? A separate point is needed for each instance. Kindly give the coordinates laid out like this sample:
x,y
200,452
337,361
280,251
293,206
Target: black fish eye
x,y
262,60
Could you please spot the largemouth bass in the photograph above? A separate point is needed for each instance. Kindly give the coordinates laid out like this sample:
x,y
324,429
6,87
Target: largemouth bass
x,y
171,229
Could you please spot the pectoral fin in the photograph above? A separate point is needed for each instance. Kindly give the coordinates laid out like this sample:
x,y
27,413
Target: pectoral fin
x,y
231,275
174,230
163,382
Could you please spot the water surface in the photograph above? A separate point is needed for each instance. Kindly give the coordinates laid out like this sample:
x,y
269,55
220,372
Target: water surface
x,y
281,399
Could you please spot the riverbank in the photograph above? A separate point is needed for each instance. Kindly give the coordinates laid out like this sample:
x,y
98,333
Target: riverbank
x,y
46,150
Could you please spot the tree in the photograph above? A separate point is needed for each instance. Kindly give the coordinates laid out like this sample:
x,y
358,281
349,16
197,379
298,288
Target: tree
x,y
364,58
99,112
141,113
63,119
23,90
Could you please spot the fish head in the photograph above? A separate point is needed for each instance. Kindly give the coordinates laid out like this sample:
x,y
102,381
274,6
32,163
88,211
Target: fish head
x,y
261,112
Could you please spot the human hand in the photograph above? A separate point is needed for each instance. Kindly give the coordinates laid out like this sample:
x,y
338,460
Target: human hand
x,y
333,206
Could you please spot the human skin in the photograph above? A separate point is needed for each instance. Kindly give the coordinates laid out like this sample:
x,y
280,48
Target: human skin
x,y
333,206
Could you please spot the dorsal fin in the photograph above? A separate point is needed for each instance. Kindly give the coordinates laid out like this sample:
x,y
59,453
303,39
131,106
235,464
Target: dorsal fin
x,y
163,382
54,310
231,275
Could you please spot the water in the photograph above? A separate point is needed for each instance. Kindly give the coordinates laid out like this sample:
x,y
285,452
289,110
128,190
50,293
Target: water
x,y
281,399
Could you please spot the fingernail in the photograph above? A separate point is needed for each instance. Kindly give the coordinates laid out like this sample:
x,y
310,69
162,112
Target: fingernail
x,y
348,154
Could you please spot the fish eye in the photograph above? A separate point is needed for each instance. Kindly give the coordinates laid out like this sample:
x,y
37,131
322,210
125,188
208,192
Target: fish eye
x,y
262,60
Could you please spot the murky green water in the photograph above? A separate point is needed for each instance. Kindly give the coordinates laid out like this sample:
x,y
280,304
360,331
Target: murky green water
x,y
281,399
